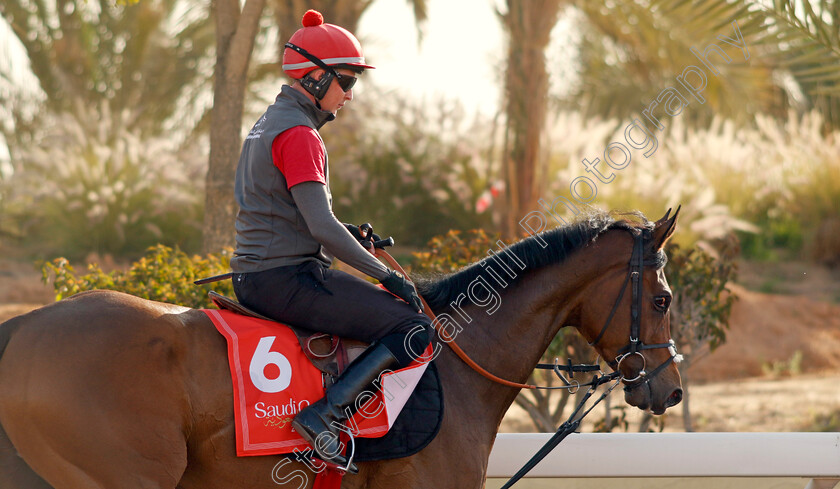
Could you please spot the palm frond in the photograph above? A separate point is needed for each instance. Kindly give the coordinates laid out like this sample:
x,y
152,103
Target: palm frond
x,y
794,36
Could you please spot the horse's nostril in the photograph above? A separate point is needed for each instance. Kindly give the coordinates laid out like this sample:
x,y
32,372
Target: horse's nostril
x,y
674,398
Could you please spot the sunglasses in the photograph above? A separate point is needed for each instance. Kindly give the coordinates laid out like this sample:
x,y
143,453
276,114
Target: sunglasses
x,y
346,82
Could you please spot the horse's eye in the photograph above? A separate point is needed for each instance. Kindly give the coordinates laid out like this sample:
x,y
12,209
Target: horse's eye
x,y
662,302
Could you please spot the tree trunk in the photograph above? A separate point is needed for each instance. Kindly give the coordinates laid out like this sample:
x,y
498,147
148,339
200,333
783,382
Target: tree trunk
x,y
686,409
528,24
608,413
235,33
542,423
537,403
644,424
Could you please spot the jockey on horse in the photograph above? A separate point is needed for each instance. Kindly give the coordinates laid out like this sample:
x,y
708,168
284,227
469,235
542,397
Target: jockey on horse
x,y
286,233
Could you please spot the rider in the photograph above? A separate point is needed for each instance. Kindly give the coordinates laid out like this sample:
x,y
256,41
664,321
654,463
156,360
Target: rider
x,y
286,233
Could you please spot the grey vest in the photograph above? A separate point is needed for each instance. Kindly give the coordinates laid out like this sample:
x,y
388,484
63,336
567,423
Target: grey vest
x,y
270,231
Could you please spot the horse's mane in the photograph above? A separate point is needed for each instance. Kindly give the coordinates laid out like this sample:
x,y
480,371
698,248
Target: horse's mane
x,y
561,242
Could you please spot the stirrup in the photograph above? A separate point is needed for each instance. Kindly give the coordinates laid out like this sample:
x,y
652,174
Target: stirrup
x,y
352,450
350,468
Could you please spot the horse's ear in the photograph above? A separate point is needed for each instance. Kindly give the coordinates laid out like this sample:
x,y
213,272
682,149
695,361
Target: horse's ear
x,y
664,228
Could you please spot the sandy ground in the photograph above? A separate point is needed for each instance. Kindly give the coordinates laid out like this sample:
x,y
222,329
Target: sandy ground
x,y
800,403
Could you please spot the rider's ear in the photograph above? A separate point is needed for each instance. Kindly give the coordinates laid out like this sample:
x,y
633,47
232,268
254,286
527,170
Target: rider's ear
x,y
663,229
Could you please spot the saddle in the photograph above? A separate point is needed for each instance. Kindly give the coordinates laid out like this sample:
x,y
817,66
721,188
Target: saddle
x,y
328,353
420,419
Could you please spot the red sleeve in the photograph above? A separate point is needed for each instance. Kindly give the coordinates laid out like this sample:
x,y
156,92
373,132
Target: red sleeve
x,y
299,155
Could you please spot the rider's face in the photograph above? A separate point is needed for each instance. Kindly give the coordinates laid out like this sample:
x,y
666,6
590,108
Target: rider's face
x,y
336,97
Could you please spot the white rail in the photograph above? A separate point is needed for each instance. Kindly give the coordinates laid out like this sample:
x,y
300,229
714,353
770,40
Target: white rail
x,y
815,456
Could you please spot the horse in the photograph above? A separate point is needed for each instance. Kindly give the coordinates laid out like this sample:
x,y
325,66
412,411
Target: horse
x,y
107,390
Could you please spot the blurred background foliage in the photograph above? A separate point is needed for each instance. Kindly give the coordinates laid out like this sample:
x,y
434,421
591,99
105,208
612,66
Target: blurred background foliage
x,y
414,170
759,159
91,183
148,60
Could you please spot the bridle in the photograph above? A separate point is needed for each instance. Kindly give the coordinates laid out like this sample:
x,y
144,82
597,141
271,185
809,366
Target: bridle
x,y
635,347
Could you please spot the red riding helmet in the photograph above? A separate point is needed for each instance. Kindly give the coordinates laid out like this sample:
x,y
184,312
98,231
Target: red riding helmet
x,y
334,45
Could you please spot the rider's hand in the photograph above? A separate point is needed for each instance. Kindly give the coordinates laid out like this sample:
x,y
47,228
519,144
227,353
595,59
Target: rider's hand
x,y
357,233
397,284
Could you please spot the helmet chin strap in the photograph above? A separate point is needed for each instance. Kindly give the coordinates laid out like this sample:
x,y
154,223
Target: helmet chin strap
x,y
317,88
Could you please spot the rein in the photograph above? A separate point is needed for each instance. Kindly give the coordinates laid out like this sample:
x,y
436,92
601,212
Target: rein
x,y
570,425
633,348
478,368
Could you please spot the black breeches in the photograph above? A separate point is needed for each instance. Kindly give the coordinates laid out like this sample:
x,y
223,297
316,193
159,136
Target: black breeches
x,y
316,298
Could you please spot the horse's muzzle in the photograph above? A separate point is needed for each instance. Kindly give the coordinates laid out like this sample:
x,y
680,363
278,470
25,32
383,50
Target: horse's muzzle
x,y
644,396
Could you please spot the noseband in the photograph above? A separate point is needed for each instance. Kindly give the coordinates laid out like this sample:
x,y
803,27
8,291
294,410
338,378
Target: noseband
x,y
636,346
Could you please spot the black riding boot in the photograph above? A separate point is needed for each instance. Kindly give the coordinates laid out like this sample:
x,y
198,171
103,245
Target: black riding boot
x,y
341,397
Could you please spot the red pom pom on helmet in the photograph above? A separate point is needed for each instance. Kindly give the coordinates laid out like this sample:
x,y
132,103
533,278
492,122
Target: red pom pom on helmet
x,y
312,18
334,45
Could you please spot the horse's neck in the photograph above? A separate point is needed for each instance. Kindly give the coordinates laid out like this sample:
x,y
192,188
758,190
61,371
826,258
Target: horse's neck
x,y
510,340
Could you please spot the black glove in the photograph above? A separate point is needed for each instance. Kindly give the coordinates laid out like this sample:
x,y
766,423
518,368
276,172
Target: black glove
x,y
357,233
397,284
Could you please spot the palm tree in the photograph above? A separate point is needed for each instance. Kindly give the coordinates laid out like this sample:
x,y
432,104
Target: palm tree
x,y
808,43
528,24
634,48
236,31
146,63
126,54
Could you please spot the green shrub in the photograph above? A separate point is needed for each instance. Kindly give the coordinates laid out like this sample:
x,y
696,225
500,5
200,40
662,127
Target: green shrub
x,y
164,274
824,422
702,304
454,250
782,368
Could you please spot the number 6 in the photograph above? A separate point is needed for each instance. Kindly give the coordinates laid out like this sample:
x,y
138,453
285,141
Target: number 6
x,y
263,356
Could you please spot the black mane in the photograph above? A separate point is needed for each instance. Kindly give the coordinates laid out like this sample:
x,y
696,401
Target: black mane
x,y
561,242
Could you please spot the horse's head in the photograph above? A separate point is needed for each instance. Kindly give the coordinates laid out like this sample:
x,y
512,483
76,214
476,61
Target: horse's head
x,y
625,315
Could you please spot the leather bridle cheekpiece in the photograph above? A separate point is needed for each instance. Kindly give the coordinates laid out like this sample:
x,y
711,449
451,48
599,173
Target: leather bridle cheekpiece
x,y
636,345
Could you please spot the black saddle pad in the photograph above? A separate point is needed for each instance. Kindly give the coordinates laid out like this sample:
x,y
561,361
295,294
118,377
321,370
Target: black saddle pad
x,y
415,427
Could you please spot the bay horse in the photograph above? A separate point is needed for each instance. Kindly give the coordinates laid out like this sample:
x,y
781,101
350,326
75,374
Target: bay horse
x,y
107,390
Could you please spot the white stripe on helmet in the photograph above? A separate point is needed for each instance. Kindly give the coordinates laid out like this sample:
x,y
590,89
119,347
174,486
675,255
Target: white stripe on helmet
x,y
327,61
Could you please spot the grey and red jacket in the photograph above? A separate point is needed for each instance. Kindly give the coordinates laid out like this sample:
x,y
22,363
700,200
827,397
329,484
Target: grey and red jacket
x,y
270,231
